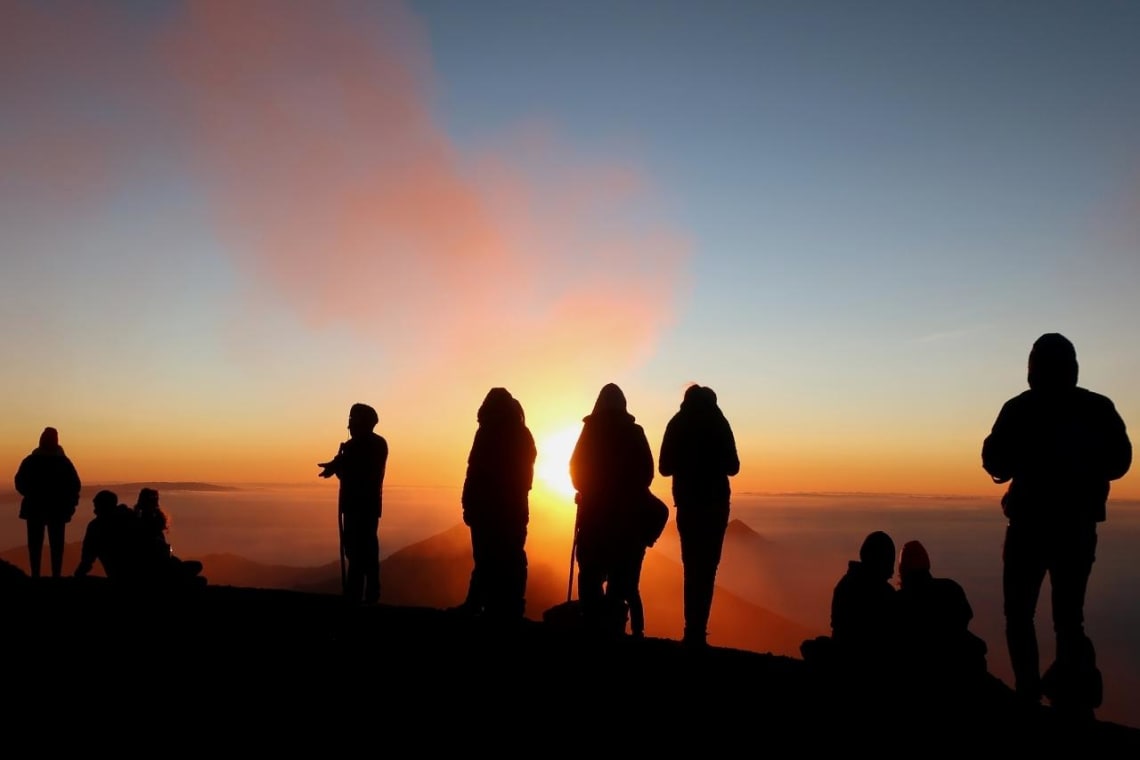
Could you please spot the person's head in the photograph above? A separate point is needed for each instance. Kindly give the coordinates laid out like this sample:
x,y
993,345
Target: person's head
x,y
362,419
1052,363
147,501
699,398
610,399
49,439
499,406
878,554
913,561
105,501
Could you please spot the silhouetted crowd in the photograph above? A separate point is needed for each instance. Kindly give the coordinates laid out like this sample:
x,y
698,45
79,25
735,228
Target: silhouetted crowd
x,y
1057,445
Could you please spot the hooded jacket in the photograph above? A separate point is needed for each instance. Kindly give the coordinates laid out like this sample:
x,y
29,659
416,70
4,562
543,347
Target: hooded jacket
x,y
1057,444
49,484
611,468
699,451
500,466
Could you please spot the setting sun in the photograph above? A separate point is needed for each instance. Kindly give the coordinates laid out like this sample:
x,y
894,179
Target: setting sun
x,y
553,464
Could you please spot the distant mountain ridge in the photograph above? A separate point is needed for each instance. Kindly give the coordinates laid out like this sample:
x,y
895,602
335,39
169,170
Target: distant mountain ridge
x,y
128,491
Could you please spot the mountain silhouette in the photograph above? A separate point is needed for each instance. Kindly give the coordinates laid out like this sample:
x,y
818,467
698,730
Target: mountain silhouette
x,y
434,572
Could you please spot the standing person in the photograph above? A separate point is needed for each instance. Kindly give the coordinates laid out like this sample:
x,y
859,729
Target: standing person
x,y
496,492
698,451
611,469
360,466
50,486
1058,446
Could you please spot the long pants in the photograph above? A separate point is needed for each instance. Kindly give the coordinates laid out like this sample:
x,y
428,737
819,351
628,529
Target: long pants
x,y
55,534
624,584
1067,554
702,530
362,550
498,580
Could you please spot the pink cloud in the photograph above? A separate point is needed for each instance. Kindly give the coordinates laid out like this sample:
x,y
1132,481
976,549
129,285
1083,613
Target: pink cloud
x,y
341,197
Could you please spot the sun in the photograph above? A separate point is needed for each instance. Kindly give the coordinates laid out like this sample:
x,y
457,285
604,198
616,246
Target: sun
x,y
553,463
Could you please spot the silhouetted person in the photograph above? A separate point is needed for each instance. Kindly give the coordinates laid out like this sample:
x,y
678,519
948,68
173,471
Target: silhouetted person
x,y
156,559
112,538
611,469
934,618
50,486
699,451
496,492
1058,446
863,605
360,466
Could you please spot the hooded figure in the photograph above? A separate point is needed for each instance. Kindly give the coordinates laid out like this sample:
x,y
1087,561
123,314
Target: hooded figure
x,y
863,605
496,492
1058,446
934,619
611,469
50,486
699,451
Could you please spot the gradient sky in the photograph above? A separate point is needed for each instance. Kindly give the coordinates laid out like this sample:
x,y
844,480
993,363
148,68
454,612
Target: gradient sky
x,y
223,223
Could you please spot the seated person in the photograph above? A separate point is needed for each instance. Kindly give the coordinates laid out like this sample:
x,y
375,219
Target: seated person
x,y
157,556
934,619
111,538
863,612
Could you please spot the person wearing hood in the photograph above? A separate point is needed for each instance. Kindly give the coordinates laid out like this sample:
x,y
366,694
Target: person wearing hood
x,y
1058,446
698,451
934,622
49,484
611,468
496,493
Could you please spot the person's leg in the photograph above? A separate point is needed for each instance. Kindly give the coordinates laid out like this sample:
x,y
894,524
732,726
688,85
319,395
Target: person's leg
x,y
370,557
56,531
359,543
515,572
35,546
1023,570
1078,681
476,595
702,538
1072,560
636,608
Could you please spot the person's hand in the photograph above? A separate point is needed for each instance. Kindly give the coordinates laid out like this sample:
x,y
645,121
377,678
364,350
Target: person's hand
x,y
326,469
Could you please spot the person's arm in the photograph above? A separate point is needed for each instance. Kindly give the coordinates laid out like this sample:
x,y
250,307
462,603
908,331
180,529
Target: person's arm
x,y
1118,447
667,458
998,456
644,459
331,467
89,553
731,457
22,476
74,484
529,457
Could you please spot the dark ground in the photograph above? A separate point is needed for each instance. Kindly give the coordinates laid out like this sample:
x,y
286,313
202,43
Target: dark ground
x,y
223,668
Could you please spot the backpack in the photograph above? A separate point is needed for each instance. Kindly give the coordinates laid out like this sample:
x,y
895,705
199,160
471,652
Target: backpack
x,y
654,516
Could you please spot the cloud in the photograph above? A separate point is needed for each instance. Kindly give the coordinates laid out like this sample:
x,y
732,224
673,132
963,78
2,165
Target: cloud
x,y
342,196
308,128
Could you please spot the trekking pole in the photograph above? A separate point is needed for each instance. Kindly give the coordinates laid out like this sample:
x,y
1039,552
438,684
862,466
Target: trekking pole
x,y
573,550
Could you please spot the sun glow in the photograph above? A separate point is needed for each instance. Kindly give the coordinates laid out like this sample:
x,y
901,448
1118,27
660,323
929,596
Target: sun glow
x,y
553,463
